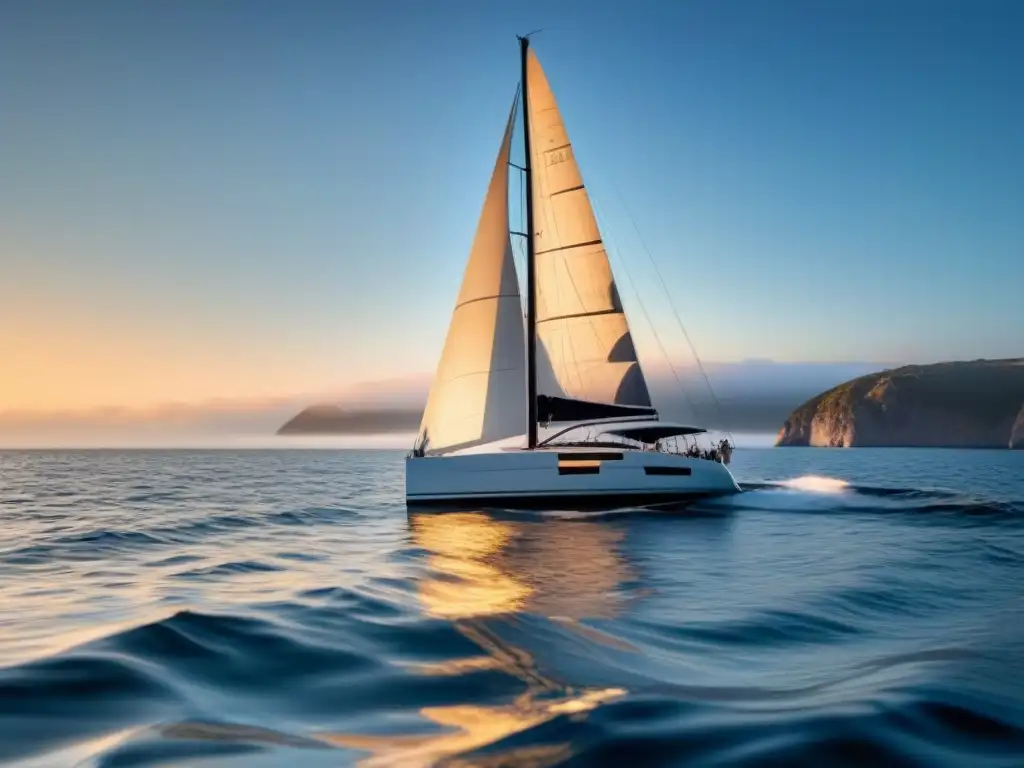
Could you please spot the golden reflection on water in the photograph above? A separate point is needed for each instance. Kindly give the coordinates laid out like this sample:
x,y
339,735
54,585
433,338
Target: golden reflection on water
x,y
483,571
484,566
468,581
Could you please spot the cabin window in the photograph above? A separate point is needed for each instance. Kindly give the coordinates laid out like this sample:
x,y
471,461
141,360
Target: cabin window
x,y
595,456
575,466
579,470
667,470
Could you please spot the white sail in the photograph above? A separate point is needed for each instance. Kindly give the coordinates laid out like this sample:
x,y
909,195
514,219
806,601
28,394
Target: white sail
x,y
479,390
580,322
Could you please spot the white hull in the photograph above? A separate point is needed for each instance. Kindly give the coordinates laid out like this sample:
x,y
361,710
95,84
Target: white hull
x,y
561,476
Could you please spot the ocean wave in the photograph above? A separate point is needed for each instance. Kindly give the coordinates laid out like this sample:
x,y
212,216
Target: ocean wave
x,y
266,612
835,496
152,695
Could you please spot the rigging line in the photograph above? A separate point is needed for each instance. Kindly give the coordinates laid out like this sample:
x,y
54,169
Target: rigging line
x,y
525,248
519,254
524,245
640,301
664,287
610,248
643,308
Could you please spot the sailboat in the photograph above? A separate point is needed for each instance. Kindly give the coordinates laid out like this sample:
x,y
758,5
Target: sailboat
x,y
570,364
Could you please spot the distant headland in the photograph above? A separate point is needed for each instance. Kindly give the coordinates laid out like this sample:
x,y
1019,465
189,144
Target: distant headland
x,y
334,420
753,396
975,404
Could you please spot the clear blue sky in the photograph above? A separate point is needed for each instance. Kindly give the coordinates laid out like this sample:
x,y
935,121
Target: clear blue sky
x,y
261,196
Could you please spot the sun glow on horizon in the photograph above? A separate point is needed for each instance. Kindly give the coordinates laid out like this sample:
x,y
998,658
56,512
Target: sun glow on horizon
x,y
63,366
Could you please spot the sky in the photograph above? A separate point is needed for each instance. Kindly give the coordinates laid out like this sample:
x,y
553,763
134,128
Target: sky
x,y
208,199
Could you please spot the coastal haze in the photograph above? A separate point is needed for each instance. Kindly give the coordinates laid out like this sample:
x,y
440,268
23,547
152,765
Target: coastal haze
x,y
224,422
757,403
751,399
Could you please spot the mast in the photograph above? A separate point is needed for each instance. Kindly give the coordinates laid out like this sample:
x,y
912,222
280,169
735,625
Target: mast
x,y
531,281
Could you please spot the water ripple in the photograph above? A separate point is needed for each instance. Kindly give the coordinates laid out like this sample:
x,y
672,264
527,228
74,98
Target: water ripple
x,y
282,608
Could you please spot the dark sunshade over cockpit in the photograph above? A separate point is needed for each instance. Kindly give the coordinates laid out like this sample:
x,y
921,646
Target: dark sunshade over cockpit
x,y
652,433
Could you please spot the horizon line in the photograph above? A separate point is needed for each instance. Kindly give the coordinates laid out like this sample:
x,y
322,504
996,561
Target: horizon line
x,y
228,403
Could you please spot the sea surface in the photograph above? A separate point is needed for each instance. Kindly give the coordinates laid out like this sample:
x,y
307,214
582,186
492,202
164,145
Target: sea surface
x,y
282,608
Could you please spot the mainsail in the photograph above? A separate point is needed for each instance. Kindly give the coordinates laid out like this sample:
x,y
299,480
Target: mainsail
x,y
479,390
581,326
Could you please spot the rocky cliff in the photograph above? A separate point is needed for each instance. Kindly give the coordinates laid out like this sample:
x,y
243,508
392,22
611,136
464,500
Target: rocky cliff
x,y
332,420
977,404
1017,435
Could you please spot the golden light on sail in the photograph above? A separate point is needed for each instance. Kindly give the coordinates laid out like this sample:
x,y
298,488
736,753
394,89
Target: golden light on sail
x,y
479,389
580,320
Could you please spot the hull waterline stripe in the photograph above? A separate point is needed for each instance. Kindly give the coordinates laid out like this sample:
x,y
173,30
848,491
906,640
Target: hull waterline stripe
x,y
599,499
556,495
